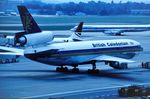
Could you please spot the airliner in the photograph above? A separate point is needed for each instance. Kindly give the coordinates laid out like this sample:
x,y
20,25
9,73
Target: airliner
x,y
114,29
115,53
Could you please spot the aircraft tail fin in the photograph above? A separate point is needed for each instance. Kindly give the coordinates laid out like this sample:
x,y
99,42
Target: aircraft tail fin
x,y
79,27
29,24
77,34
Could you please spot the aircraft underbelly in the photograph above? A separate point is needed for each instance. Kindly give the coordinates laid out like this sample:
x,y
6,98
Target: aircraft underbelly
x,y
71,60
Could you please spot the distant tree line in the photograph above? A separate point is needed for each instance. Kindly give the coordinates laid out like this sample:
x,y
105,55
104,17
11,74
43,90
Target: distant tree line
x,y
90,8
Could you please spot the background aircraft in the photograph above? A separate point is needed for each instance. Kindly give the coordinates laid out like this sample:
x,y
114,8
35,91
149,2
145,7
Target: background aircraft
x,y
114,29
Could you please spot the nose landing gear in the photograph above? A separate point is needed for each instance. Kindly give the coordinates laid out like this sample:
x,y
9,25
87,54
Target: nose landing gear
x,y
93,70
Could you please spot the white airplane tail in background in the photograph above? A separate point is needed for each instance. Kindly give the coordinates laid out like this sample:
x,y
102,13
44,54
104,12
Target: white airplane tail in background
x,y
76,36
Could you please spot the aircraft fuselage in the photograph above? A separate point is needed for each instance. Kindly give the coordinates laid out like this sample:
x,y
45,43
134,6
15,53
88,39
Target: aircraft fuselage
x,y
73,53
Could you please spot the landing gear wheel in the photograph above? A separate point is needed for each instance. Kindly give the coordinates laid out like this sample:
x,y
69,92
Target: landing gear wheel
x,y
91,71
58,69
61,69
96,71
75,70
66,69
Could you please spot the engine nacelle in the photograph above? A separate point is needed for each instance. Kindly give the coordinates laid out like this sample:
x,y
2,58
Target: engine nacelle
x,y
117,65
36,38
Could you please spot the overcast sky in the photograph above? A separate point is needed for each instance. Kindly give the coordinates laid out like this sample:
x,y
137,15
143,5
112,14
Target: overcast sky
x,y
116,1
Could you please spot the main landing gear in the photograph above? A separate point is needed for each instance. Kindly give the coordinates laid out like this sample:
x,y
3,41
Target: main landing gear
x,y
61,69
65,69
75,69
93,70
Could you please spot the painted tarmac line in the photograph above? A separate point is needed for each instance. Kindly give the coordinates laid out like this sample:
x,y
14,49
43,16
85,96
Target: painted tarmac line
x,y
83,91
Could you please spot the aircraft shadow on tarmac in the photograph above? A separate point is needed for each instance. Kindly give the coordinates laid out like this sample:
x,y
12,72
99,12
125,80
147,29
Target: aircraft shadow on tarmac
x,y
52,75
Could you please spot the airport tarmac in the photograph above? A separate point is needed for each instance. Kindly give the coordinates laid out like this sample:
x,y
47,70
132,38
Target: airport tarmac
x,y
28,79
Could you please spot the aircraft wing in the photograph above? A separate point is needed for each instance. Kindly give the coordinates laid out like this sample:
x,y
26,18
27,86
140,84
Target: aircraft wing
x,y
10,51
112,58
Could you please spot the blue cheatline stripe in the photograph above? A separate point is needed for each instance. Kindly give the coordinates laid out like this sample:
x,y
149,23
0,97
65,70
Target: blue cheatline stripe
x,y
102,30
97,51
77,34
116,28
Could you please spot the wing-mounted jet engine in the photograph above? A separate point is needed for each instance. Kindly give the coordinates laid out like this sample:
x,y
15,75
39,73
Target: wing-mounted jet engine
x,y
117,65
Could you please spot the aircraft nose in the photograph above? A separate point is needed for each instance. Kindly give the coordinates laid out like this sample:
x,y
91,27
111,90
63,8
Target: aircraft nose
x,y
140,48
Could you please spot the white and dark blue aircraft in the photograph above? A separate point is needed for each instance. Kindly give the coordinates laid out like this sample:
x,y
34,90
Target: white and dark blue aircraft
x,y
115,53
114,29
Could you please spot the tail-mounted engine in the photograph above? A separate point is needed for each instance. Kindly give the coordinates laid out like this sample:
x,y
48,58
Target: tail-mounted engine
x,y
23,39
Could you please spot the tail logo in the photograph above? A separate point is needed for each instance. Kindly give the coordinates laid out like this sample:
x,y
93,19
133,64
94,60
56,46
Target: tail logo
x,y
27,22
78,34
